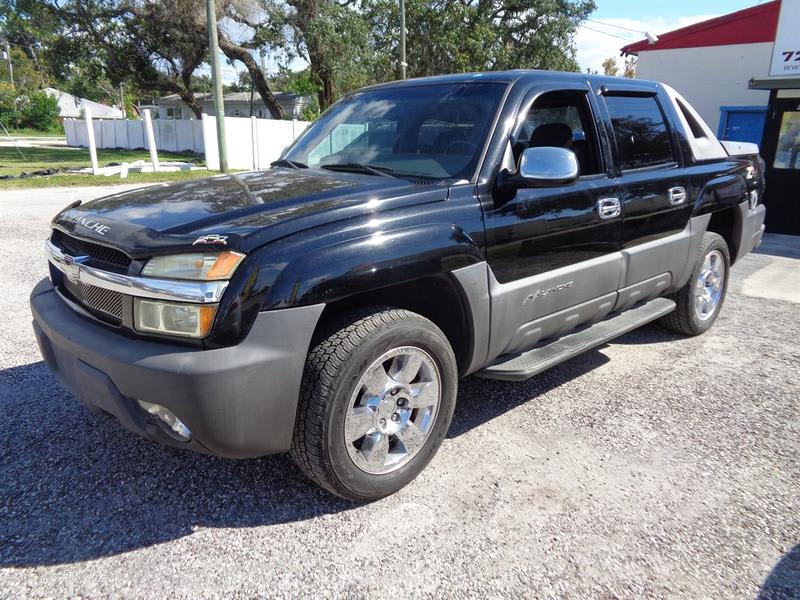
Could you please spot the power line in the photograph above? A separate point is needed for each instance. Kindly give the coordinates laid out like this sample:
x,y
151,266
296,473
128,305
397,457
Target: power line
x,y
619,37
617,26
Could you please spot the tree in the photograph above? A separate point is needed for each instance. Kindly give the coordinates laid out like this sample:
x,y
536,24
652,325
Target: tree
x,y
478,35
610,66
630,68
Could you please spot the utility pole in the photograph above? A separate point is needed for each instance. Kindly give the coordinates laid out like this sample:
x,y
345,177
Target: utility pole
x,y
122,100
216,76
10,66
403,63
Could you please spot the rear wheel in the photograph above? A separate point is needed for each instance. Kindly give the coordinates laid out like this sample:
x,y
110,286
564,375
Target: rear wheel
x,y
376,402
701,299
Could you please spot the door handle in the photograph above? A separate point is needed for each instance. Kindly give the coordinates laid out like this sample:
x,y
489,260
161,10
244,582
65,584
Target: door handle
x,y
608,208
676,195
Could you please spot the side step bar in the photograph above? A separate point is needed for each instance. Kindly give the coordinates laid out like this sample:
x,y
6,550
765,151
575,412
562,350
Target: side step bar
x,y
526,365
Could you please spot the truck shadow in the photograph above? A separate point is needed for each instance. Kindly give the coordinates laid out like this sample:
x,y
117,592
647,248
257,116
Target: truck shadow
x,y
77,486
783,582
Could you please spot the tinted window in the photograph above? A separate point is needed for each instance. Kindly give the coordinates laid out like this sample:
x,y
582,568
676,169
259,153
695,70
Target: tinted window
x,y
563,118
435,131
641,132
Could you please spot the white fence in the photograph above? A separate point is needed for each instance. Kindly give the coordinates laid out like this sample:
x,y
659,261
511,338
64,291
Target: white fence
x,y
171,135
251,143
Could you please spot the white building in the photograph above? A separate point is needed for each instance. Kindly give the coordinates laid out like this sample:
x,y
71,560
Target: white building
x,y
237,104
72,107
711,63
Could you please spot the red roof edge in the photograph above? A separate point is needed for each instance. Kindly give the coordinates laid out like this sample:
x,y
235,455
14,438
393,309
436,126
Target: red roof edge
x,y
747,26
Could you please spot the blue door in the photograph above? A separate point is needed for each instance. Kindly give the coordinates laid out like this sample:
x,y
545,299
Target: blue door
x,y
742,123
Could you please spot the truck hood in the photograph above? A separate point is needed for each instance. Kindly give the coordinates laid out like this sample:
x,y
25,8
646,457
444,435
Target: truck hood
x,y
228,210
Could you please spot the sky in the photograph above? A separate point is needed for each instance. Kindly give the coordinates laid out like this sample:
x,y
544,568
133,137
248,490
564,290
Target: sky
x,y
608,29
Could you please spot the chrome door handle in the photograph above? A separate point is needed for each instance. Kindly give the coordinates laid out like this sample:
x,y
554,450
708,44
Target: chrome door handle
x,y
608,208
676,195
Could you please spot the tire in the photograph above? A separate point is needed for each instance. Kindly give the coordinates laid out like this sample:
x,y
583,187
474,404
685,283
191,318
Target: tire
x,y
688,318
339,398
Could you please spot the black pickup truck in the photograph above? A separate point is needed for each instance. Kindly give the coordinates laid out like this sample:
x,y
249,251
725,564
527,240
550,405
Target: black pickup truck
x,y
419,231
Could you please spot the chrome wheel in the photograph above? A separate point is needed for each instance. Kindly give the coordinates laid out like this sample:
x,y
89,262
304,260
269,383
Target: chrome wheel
x,y
392,410
709,284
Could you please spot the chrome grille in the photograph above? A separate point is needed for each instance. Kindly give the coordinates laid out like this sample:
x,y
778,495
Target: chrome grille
x,y
102,256
102,300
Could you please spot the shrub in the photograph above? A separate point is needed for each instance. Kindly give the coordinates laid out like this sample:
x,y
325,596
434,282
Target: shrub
x,y
40,112
34,110
9,113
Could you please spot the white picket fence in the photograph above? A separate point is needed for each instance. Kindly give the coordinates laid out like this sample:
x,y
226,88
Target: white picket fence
x,y
251,143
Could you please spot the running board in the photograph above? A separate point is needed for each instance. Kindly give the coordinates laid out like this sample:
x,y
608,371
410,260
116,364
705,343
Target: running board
x,y
530,363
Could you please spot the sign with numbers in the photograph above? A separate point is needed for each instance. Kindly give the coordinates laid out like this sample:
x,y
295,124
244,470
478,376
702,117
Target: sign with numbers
x,y
786,55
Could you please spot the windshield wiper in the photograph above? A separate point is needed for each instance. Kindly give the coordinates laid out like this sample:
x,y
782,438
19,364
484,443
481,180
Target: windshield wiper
x,y
285,162
360,168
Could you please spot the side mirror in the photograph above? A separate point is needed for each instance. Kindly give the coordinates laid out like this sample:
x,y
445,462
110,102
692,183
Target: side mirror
x,y
545,166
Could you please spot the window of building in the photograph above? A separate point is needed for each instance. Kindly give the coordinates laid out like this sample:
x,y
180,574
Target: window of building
x,y
237,112
787,155
562,119
640,130
171,113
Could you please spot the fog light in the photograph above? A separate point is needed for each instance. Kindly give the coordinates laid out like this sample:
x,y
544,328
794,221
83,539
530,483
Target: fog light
x,y
172,318
168,418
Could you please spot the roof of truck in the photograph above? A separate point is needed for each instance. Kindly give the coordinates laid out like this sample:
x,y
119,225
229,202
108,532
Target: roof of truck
x,y
515,75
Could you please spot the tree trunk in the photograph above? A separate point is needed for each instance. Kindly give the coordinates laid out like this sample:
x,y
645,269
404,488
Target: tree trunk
x,y
235,52
189,99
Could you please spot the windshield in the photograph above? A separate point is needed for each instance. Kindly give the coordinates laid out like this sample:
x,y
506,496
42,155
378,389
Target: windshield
x,y
434,131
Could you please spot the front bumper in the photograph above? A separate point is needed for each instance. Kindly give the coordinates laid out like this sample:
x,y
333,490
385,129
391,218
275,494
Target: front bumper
x,y
238,402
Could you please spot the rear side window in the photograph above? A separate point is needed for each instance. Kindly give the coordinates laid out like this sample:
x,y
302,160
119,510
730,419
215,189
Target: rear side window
x,y
641,132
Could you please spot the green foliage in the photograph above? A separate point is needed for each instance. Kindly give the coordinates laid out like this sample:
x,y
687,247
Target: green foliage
x,y
27,75
34,110
9,113
87,47
40,112
477,35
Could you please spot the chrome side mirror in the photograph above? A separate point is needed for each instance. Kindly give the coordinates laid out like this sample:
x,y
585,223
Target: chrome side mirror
x,y
542,167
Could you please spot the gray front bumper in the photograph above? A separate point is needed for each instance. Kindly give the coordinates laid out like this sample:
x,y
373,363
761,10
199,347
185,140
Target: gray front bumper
x,y
238,402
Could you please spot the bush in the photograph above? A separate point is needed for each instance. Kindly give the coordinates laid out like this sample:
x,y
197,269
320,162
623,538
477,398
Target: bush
x,y
40,112
9,114
34,110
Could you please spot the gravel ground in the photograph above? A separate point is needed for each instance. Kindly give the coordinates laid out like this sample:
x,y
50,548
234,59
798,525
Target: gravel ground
x,y
655,466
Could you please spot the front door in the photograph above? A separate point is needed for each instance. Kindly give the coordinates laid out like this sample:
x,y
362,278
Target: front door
x,y
553,252
781,152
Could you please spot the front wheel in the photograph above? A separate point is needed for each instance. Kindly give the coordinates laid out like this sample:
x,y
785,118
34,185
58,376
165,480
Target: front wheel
x,y
700,300
377,397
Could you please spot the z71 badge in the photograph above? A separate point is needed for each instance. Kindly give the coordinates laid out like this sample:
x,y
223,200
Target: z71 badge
x,y
212,238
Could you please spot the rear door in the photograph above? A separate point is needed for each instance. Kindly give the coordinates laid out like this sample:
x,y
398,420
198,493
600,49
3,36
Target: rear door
x,y
653,191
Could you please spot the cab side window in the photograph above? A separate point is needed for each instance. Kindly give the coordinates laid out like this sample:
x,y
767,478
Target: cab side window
x,y
563,119
640,130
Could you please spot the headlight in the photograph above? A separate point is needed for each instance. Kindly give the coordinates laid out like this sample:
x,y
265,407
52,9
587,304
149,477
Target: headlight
x,y
172,318
198,266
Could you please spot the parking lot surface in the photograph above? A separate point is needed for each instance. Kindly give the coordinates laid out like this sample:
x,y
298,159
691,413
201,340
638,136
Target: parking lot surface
x,y
656,466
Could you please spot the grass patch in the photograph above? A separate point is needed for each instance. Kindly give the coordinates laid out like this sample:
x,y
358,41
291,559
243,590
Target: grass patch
x,y
72,180
43,156
32,133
